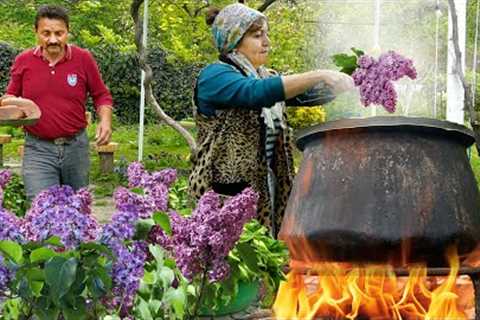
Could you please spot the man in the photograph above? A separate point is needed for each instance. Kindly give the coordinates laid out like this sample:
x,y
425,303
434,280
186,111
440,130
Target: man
x,y
58,76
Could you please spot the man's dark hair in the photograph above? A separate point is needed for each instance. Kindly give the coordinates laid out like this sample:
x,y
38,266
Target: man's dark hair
x,y
52,12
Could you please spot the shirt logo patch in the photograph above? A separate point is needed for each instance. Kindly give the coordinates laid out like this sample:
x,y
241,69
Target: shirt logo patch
x,y
72,79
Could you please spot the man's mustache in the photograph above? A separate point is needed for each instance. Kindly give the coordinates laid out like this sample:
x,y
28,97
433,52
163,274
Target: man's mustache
x,y
53,45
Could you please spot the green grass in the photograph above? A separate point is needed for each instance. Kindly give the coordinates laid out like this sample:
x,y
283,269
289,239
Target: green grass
x,y
475,162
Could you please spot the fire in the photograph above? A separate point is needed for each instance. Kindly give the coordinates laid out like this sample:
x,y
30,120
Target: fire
x,y
341,291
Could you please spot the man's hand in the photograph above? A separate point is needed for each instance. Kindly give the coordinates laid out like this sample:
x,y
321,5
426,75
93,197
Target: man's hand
x,y
104,128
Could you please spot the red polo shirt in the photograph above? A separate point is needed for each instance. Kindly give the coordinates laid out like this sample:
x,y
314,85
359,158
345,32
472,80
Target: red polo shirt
x,y
59,90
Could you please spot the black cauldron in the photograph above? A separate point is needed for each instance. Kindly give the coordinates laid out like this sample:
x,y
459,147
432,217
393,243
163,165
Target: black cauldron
x,y
384,189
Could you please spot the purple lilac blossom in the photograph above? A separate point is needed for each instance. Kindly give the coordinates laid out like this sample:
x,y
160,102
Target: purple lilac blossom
x,y
127,271
59,211
200,243
155,187
375,78
6,275
5,176
11,227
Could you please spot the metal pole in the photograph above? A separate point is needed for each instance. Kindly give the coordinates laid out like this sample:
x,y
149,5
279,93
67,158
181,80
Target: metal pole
x,y
142,87
455,90
475,54
376,41
438,13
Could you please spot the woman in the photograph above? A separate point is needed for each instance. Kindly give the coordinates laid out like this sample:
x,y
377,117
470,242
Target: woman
x,y
240,114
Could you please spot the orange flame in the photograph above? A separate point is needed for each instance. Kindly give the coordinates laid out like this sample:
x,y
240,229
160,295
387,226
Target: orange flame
x,y
338,291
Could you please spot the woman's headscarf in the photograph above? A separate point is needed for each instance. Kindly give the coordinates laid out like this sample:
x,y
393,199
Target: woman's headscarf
x,y
231,24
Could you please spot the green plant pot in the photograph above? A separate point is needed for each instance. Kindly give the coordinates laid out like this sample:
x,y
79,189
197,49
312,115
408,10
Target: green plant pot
x,y
247,294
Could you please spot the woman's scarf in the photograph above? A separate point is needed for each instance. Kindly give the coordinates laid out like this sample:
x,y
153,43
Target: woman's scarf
x,y
228,29
231,23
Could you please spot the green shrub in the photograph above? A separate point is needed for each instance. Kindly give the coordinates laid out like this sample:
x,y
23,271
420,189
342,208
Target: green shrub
x,y
14,198
7,55
305,116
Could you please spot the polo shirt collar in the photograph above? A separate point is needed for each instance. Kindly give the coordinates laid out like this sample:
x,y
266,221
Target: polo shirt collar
x,y
38,52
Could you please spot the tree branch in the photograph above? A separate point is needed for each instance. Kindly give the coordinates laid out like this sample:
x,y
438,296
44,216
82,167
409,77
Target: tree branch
x,y
459,71
265,5
134,11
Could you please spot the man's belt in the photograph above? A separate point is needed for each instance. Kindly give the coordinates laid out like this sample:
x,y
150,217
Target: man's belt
x,y
57,141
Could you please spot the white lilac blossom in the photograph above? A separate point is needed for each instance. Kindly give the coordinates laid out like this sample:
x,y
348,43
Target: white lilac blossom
x,y
375,78
200,243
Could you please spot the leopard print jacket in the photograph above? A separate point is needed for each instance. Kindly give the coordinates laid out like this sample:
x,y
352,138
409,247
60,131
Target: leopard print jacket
x,y
231,149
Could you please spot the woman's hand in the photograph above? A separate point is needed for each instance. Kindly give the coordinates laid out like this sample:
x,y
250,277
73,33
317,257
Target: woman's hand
x,y
296,84
337,81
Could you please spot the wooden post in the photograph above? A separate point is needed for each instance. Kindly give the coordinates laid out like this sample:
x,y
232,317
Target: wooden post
x,y
4,138
105,153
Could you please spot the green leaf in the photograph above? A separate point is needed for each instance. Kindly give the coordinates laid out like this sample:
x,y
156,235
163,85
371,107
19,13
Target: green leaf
x,y
163,220
346,62
60,275
55,241
97,247
139,191
157,253
142,228
149,277
144,310
37,287
177,298
35,274
103,274
12,250
166,275
24,290
76,312
154,305
357,52
248,256
45,310
96,287
41,254
170,263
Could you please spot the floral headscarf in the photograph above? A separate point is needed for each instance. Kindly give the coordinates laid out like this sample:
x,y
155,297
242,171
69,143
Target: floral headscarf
x,y
231,24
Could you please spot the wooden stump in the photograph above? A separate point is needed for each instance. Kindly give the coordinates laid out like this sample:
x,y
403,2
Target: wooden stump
x,y
4,139
106,153
88,116
20,151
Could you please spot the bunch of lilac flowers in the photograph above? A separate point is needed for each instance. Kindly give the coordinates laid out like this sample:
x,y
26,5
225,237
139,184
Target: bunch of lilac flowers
x,y
131,206
5,176
127,271
200,243
6,275
59,211
128,268
375,78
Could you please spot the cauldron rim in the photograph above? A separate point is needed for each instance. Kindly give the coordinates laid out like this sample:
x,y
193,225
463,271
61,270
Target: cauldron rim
x,y
453,130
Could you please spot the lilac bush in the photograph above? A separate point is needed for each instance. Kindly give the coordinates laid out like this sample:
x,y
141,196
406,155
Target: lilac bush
x,y
200,243
62,212
375,78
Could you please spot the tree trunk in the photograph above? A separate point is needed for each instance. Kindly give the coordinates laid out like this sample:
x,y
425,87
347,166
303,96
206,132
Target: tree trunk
x,y
142,57
474,121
